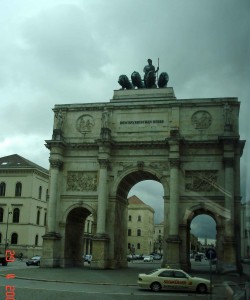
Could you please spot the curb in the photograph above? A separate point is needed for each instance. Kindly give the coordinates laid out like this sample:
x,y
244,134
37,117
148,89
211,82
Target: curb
x,y
74,282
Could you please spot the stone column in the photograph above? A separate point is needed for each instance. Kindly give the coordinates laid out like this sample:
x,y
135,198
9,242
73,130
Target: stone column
x,y
229,237
173,239
102,198
229,195
174,198
55,165
51,240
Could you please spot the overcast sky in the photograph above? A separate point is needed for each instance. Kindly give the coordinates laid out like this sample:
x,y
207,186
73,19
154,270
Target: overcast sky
x,y
73,51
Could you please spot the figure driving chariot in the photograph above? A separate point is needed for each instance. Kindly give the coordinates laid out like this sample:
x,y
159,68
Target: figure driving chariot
x,y
149,79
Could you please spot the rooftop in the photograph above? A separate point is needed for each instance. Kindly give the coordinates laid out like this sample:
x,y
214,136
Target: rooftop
x,y
16,161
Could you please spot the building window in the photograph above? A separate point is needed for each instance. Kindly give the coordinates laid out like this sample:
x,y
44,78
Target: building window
x,y
1,214
0,238
138,246
139,218
2,188
14,238
18,190
129,246
45,219
40,193
129,218
36,240
129,232
138,232
16,215
38,217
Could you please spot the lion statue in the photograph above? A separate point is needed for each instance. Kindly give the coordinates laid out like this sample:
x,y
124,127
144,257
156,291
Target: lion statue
x,y
163,80
125,83
136,80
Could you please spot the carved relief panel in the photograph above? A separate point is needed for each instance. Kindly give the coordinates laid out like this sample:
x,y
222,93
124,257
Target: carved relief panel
x,y
201,181
81,181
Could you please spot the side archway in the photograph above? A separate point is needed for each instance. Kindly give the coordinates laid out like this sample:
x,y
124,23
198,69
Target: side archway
x,y
185,230
75,236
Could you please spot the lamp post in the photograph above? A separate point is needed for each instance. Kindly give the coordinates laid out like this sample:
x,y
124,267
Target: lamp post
x,y
7,225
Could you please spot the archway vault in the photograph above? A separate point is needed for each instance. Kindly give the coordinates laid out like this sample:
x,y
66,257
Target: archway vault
x,y
129,178
99,151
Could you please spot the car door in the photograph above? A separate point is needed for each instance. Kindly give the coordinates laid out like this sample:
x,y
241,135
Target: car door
x,y
166,278
182,281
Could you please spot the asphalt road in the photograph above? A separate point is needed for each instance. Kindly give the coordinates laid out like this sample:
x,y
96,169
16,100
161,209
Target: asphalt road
x,y
34,283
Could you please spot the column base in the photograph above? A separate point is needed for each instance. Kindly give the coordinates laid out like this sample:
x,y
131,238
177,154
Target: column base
x,y
100,244
51,250
173,252
229,262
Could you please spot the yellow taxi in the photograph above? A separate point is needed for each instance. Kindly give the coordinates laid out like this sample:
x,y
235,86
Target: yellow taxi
x,y
173,279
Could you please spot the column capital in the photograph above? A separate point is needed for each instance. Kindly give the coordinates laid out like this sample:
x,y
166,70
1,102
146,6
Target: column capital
x,y
104,163
55,163
174,162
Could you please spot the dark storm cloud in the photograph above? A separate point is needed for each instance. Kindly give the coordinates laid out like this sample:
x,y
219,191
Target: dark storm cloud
x,y
61,39
63,51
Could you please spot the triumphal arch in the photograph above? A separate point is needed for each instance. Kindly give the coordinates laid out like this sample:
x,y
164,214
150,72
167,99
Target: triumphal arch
x,y
99,151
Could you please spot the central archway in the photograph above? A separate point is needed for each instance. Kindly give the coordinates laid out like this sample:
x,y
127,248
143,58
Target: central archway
x,y
124,185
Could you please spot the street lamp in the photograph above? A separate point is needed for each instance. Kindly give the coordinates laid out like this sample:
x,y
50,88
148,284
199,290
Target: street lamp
x,y
7,225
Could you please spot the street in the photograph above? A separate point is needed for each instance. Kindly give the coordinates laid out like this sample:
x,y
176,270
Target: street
x,y
37,283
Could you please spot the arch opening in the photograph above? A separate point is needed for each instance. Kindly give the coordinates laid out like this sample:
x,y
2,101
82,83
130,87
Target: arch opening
x,y
202,235
78,236
145,191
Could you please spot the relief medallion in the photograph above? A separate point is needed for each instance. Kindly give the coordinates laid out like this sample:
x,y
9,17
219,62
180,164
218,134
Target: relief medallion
x,y
85,123
201,119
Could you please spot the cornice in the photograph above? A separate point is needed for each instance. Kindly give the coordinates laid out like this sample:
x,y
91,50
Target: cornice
x,y
24,171
54,143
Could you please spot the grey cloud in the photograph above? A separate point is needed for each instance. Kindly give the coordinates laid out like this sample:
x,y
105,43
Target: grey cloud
x,y
61,39
203,226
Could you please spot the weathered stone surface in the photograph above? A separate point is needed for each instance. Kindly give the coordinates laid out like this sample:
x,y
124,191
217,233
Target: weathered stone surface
x,y
148,134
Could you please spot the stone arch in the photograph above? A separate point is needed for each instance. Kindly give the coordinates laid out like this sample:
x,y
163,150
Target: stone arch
x,y
136,175
150,135
77,205
215,212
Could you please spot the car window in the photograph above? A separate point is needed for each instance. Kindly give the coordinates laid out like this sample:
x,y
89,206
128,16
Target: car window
x,y
151,272
179,274
167,273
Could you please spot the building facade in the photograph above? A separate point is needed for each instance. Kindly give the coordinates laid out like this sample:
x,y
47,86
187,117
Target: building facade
x,y
140,226
158,237
23,205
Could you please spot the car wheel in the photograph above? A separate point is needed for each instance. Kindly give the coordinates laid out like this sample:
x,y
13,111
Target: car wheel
x,y
201,288
155,287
